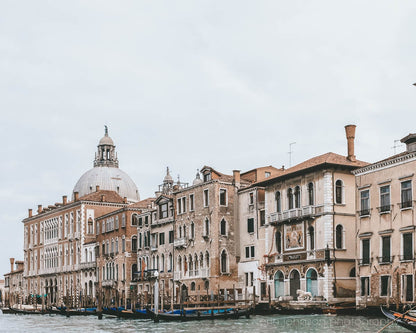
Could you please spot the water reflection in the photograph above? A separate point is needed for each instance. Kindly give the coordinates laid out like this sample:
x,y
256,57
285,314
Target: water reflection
x,y
257,324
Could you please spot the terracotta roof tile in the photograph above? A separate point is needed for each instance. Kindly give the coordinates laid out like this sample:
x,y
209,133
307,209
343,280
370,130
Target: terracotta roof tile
x,y
328,158
143,203
109,196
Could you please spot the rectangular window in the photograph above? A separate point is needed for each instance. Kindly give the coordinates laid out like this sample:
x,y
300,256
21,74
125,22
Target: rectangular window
x,y
162,238
247,252
140,221
251,279
365,286
251,198
385,249
385,198
184,205
365,246
207,177
407,287
250,225
223,197
163,211
262,218
385,285
252,251
191,202
206,198
179,208
407,246
170,236
406,194
365,202
123,245
247,281
146,220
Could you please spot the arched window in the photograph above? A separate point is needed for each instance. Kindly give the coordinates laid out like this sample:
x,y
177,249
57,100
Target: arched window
x,y
297,197
133,271
338,191
223,228
352,272
311,199
184,231
290,198
207,259
90,226
206,285
192,286
312,282
278,202
206,231
279,289
224,262
278,238
312,238
134,219
134,243
339,236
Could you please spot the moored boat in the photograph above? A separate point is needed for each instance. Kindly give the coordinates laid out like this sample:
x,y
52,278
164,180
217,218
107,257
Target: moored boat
x,y
195,315
402,319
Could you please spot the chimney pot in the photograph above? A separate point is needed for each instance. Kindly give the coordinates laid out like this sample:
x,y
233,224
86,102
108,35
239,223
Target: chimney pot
x,y
39,209
236,176
97,188
103,198
125,199
11,265
64,199
350,133
76,196
30,212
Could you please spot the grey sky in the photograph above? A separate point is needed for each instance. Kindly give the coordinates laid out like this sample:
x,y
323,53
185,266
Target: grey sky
x,y
187,83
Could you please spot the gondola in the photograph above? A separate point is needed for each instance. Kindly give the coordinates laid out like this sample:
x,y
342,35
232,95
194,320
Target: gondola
x,y
121,313
403,320
195,315
26,312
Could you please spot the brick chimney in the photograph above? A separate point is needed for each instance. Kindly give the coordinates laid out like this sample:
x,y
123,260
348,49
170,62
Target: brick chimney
x,y
76,196
39,209
64,200
30,212
97,188
125,200
350,133
11,265
236,177
102,197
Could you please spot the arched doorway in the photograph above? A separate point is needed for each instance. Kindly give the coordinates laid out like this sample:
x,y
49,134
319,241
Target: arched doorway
x,y
279,289
184,293
294,283
312,282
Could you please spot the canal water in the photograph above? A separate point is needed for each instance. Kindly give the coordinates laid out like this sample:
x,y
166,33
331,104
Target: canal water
x,y
256,324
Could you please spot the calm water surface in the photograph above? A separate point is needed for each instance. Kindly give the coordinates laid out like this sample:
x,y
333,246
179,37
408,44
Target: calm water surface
x,y
256,324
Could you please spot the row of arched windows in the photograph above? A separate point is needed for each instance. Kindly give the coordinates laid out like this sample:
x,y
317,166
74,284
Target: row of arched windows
x,y
294,196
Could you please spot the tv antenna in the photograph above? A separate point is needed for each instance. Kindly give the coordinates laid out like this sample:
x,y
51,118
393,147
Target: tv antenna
x,y
290,153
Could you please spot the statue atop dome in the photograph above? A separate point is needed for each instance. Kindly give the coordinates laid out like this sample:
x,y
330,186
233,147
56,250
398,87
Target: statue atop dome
x,y
106,155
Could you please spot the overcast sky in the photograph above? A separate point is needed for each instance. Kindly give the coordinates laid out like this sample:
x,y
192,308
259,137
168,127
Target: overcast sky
x,y
184,84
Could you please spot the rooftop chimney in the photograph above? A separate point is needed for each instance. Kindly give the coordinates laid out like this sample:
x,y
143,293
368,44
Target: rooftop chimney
x,y
125,199
236,177
350,132
39,209
410,141
30,212
76,196
102,197
11,264
64,199
97,188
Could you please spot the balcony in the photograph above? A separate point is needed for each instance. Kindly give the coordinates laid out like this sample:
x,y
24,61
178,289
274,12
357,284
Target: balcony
x,y
292,214
146,275
180,242
384,209
406,257
364,261
385,260
108,283
205,272
88,265
153,248
364,212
